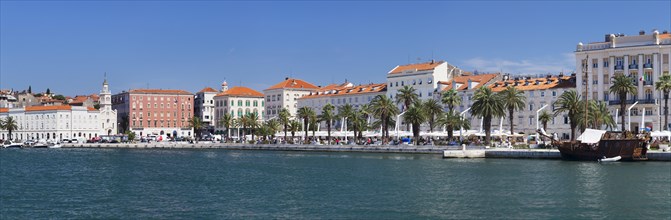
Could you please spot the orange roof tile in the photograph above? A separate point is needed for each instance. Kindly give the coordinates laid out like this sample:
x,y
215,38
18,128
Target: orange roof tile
x,y
48,108
239,91
347,90
416,66
664,36
161,91
482,79
208,89
4,110
91,109
292,83
535,83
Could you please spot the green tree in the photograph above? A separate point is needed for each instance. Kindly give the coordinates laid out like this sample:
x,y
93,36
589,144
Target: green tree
x,y
544,118
406,95
305,113
284,117
48,91
433,110
328,116
196,124
59,97
253,122
359,123
622,86
451,120
599,115
226,121
451,99
131,136
513,100
487,105
314,123
569,102
383,109
294,126
664,85
10,125
415,116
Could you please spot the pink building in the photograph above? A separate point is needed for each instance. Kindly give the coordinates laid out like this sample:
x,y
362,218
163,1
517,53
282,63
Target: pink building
x,y
149,112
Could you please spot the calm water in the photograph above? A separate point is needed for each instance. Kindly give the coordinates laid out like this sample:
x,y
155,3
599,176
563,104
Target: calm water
x,y
206,184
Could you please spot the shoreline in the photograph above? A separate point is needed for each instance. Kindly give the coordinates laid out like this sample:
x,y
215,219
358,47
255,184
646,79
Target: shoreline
x,y
445,151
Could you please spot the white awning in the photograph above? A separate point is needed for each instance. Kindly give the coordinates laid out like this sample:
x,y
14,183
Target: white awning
x,y
591,136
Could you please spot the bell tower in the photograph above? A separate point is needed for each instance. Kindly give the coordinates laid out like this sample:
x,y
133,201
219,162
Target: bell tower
x,y
105,96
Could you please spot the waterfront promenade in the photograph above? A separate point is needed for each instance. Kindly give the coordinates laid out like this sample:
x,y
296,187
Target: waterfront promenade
x,y
445,151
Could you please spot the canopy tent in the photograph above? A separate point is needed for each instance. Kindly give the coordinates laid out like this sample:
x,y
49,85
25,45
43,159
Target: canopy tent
x,y
591,136
661,134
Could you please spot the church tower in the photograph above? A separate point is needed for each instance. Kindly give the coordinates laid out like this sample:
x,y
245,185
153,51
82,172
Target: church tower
x,y
105,97
108,116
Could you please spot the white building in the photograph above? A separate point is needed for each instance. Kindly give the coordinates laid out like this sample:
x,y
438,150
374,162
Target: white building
x,y
285,95
237,101
340,95
644,57
62,122
424,77
204,107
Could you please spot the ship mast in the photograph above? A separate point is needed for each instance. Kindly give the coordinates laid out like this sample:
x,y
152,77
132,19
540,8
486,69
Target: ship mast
x,y
584,70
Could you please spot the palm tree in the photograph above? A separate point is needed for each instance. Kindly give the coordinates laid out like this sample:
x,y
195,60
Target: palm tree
x,y
244,123
271,127
196,124
407,96
383,109
451,98
544,118
328,116
622,86
415,115
305,113
487,105
227,120
346,112
513,100
253,122
570,103
359,123
433,110
10,125
293,127
314,123
284,116
599,115
451,120
664,85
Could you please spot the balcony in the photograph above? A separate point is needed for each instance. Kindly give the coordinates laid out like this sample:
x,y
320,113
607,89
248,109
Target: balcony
x,y
619,67
647,83
633,66
647,66
634,81
629,102
646,101
617,102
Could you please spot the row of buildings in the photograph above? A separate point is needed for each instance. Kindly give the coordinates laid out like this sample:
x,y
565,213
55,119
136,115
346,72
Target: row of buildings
x,y
145,112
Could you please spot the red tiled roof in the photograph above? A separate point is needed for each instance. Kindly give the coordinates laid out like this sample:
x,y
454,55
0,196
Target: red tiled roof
x,y
161,91
48,108
482,79
531,84
239,91
91,109
347,90
4,110
208,89
416,66
664,36
293,84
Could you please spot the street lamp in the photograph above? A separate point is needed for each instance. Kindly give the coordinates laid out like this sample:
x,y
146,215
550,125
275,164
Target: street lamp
x,y
629,114
397,121
461,128
537,124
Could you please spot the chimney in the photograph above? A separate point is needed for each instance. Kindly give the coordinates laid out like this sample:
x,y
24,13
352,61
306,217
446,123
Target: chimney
x,y
665,32
286,78
607,38
642,32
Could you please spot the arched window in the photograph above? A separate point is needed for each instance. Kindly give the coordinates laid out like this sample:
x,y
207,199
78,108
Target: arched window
x,y
239,112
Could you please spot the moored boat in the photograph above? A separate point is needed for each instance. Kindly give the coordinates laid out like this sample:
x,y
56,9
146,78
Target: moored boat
x,y
594,145
54,144
11,144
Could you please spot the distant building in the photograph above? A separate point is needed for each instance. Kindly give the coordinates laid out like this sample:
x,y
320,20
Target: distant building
x,y
154,112
204,107
424,77
237,101
7,100
62,121
644,57
285,95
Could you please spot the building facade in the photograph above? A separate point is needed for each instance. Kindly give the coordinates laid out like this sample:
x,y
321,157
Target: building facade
x,y
204,107
423,77
285,95
643,57
237,101
340,95
148,112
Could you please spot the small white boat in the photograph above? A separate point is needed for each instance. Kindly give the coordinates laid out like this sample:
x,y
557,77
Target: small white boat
x,y
41,144
10,144
54,144
612,159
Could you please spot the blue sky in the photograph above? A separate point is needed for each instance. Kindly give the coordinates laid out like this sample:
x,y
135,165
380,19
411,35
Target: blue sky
x,y
67,46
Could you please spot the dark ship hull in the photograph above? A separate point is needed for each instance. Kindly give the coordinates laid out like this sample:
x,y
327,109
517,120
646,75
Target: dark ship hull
x,y
629,149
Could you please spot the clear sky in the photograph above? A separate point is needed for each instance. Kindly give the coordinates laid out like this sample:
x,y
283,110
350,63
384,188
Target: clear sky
x,y
67,46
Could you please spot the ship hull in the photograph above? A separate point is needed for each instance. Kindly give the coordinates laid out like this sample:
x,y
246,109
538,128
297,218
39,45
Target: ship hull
x,y
628,150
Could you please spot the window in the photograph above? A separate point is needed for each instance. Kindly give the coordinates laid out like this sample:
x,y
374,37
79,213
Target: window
x,y
256,103
605,62
531,93
648,111
429,81
531,107
542,93
402,83
665,58
239,102
554,93
247,103
531,120
565,120
605,97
